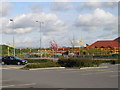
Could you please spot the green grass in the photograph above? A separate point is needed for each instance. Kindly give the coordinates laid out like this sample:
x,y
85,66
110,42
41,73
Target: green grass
x,y
41,65
38,60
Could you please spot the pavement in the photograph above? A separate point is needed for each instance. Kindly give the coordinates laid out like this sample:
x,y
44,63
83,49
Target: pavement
x,y
61,78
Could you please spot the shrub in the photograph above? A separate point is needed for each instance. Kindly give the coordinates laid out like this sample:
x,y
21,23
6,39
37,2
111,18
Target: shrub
x,y
111,61
76,62
97,62
115,62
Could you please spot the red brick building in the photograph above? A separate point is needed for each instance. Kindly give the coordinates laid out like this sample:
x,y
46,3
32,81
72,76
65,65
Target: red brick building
x,y
113,45
106,44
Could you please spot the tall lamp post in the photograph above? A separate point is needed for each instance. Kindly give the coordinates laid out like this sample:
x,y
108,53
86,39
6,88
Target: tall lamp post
x,y
13,36
40,23
80,41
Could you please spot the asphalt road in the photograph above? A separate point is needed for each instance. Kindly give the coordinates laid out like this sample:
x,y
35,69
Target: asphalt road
x,y
61,78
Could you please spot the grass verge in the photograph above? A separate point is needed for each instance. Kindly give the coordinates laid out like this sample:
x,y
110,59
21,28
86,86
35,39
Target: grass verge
x,y
41,65
38,60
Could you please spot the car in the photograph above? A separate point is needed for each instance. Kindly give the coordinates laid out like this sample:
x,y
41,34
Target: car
x,y
13,60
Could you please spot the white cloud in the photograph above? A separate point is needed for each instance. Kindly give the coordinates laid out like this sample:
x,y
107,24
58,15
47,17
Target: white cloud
x,y
5,8
94,5
18,31
26,23
25,40
61,6
97,20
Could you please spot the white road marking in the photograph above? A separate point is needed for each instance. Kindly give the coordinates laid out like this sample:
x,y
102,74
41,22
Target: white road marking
x,y
5,68
6,86
17,85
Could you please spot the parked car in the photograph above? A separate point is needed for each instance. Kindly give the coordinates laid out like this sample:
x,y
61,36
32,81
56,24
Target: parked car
x,y
13,60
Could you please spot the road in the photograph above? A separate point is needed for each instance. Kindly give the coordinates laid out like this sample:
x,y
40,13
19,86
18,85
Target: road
x,y
61,78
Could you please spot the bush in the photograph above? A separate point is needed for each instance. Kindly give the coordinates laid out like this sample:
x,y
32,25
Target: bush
x,y
111,61
75,62
42,65
115,62
97,62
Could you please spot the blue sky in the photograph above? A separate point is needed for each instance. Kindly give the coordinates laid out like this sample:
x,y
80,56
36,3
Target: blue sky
x,y
88,22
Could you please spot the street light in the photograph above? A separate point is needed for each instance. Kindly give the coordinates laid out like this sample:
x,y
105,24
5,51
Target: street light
x,y
13,36
79,42
40,23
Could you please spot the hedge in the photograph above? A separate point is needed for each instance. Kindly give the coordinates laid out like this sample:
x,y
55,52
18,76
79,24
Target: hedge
x,y
75,62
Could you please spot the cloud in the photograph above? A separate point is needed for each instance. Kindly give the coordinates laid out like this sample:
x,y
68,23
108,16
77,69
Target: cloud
x,y
18,31
26,23
98,20
25,40
61,6
6,6
94,5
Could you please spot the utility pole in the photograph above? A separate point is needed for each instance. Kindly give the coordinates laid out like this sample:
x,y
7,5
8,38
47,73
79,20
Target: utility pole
x,y
73,43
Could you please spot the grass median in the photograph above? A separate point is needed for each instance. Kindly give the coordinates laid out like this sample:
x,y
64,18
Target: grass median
x,y
79,63
41,64
38,60
66,62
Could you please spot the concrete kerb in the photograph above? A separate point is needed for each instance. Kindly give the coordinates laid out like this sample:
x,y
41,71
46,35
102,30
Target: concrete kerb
x,y
94,67
66,68
47,68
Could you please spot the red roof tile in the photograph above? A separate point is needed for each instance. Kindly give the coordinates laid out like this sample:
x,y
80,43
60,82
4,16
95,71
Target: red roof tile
x,y
105,44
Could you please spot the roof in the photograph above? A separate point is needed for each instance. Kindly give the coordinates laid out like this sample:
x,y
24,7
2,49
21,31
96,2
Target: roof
x,y
117,39
105,44
62,49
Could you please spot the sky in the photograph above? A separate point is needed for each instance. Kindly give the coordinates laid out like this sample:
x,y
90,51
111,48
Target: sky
x,y
61,22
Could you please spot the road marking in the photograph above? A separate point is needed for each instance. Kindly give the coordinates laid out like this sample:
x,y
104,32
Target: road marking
x,y
17,85
5,68
6,86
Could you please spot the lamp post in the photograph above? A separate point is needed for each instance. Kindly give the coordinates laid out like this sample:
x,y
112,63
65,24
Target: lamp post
x,y
40,23
80,41
13,36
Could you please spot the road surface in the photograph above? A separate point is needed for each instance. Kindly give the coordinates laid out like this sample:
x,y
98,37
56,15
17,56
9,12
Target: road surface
x,y
61,78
